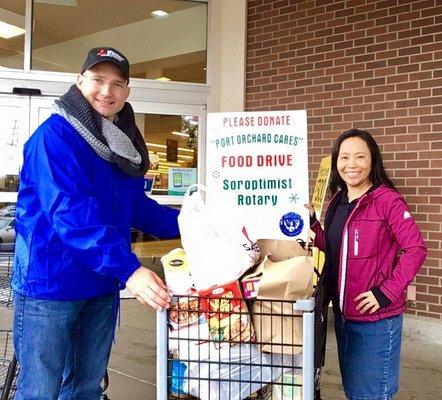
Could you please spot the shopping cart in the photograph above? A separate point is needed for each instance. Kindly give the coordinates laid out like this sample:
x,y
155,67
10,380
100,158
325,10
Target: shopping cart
x,y
6,263
8,366
8,362
195,360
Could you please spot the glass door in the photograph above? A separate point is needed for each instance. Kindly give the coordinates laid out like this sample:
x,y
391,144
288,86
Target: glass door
x,y
14,131
174,135
40,110
20,116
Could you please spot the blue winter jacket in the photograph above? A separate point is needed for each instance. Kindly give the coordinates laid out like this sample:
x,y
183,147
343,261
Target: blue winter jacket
x,y
74,216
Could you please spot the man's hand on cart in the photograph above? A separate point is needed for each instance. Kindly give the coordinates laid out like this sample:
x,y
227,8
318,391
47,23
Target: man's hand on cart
x,y
148,288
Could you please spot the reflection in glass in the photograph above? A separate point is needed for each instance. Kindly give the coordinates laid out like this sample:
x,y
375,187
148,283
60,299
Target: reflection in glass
x,y
171,48
7,210
12,13
172,141
11,147
7,234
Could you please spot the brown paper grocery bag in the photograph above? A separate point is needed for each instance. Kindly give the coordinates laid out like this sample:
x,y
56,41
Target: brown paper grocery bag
x,y
278,327
280,250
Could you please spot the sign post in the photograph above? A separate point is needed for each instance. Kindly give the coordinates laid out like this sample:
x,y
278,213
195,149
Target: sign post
x,y
257,171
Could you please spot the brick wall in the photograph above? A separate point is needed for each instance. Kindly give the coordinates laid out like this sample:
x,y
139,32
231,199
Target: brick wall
x,y
371,64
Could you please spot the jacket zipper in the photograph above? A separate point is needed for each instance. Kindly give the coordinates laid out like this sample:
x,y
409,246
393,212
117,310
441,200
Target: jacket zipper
x,y
344,253
344,250
356,243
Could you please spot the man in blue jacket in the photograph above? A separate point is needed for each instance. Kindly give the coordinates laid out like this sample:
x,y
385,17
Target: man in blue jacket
x,y
81,191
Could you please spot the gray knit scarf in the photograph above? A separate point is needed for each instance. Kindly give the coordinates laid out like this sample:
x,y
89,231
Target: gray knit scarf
x,y
120,142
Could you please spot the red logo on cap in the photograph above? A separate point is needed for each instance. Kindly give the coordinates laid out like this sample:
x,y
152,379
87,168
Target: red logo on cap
x,y
110,53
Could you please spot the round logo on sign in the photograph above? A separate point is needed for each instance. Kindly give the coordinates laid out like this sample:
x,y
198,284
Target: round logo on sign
x,y
291,224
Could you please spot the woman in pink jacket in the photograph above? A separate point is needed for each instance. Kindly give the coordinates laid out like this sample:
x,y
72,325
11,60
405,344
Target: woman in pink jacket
x,y
373,251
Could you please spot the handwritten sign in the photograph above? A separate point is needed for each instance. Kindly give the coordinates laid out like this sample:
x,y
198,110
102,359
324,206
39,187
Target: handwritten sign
x,y
257,171
320,189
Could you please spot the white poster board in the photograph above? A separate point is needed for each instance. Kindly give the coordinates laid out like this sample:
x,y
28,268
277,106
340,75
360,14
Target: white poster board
x,y
257,171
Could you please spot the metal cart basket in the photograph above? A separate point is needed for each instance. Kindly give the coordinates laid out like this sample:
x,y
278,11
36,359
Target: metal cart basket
x,y
265,350
8,362
8,366
6,262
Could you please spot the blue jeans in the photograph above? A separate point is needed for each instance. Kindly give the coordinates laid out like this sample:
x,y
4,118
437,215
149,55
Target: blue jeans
x,y
62,347
369,357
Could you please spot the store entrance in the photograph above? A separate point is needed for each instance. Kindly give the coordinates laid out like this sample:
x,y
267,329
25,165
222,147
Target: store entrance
x,y
175,136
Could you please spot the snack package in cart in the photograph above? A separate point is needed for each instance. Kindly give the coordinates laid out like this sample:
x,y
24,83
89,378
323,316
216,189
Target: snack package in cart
x,y
187,321
176,272
188,328
227,314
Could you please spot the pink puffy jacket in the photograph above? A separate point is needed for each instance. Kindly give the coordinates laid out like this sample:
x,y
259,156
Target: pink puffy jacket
x,y
379,226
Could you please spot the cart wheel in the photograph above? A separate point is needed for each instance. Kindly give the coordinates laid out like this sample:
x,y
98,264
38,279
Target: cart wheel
x,y
105,382
318,394
8,387
104,385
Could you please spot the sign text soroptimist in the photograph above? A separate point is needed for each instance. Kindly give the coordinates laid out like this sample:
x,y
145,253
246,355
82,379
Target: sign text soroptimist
x,y
257,169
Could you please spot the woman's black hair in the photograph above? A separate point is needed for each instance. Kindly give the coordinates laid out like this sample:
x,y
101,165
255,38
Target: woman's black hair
x,y
378,174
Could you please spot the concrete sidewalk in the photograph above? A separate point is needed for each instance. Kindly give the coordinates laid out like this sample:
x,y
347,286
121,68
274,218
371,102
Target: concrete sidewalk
x,y
133,376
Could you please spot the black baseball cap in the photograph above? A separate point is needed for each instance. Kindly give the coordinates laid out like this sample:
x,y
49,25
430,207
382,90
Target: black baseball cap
x,y
106,54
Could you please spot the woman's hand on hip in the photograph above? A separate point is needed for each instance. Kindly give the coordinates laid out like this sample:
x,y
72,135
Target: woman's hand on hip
x,y
367,302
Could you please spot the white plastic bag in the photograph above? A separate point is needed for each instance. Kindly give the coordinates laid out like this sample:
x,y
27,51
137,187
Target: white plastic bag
x,y
237,372
217,248
288,386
